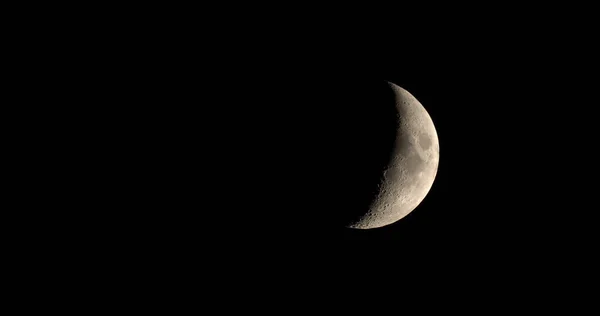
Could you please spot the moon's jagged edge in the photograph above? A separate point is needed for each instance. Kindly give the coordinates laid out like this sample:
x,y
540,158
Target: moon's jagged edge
x,y
410,175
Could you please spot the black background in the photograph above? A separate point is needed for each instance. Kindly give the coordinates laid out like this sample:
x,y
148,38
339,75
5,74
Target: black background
x,y
247,152
241,133
228,147
246,138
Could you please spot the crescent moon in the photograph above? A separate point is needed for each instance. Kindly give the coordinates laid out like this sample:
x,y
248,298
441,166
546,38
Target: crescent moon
x,y
412,169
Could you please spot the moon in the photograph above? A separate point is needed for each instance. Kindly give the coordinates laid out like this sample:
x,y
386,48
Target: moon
x,y
412,167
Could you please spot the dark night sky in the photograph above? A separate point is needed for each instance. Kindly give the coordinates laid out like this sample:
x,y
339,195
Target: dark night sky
x,y
272,138
239,138
218,151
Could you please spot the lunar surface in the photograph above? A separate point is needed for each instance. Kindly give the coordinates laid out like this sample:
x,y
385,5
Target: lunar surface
x,y
408,177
